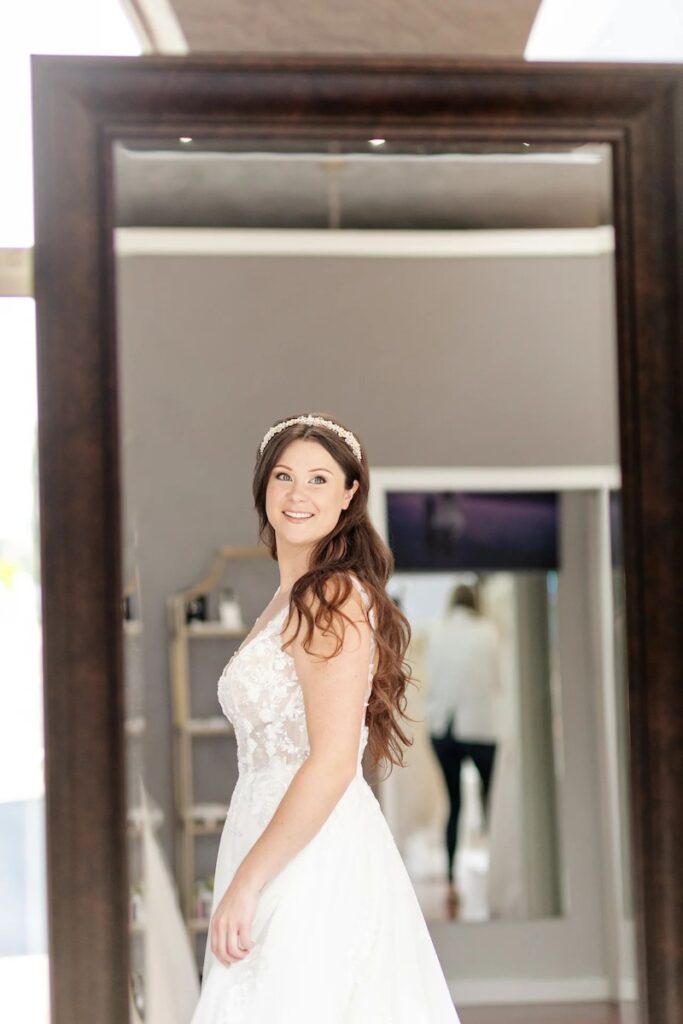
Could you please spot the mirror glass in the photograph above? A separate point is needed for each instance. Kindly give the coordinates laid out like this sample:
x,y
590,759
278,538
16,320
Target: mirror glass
x,y
454,305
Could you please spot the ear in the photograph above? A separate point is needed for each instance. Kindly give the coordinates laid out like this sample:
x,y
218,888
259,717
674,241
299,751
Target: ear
x,y
354,488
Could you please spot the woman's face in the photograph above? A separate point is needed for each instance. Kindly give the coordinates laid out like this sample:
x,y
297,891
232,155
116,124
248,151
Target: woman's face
x,y
306,479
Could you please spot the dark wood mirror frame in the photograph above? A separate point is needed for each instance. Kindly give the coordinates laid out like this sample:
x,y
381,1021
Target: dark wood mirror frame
x,y
81,105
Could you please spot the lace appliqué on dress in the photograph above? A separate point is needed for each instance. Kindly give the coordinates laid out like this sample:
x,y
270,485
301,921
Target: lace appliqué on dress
x,y
246,974
259,693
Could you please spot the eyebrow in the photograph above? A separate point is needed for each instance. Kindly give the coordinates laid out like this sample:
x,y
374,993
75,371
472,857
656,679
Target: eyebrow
x,y
314,470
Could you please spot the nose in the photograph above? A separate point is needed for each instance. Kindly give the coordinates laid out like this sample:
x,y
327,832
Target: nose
x,y
296,494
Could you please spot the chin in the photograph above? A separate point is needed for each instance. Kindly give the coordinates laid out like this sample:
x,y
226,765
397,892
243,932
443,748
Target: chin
x,y
294,535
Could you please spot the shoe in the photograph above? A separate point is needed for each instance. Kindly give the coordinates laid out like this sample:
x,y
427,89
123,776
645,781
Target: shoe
x,y
452,901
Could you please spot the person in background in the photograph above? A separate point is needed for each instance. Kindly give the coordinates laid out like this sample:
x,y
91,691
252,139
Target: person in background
x,y
461,704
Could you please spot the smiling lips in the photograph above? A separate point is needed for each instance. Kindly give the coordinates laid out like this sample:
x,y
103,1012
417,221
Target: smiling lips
x,y
298,516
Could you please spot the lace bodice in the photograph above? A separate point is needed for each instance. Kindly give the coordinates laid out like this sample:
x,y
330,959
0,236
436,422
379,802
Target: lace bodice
x,y
259,692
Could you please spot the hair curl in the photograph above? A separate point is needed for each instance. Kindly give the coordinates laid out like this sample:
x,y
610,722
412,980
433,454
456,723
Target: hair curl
x,y
353,546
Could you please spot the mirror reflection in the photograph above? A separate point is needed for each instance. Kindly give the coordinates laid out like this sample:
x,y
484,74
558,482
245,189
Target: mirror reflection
x,y
454,306
488,659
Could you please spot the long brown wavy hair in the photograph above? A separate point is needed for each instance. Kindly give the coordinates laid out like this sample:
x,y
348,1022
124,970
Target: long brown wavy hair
x,y
352,546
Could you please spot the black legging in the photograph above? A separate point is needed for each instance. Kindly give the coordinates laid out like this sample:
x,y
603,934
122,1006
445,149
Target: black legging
x,y
451,753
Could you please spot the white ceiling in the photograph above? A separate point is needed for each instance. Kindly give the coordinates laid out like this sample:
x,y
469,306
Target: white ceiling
x,y
473,28
179,186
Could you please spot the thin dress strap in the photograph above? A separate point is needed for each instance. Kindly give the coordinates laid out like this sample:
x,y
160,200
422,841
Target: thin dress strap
x,y
371,616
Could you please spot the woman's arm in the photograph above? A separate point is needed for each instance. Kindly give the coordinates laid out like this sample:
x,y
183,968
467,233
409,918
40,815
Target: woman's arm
x,y
334,698
334,694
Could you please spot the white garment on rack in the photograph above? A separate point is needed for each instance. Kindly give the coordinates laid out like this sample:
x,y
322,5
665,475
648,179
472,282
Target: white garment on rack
x,y
171,987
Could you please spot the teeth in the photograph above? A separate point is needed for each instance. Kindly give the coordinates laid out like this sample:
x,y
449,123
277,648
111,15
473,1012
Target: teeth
x,y
299,515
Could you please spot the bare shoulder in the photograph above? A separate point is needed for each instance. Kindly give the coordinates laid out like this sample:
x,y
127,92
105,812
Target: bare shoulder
x,y
345,629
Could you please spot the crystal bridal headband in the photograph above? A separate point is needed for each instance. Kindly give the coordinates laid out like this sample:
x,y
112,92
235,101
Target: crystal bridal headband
x,y
346,435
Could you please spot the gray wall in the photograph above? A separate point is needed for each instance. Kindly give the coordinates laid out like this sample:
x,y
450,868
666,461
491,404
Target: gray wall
x,y
451,361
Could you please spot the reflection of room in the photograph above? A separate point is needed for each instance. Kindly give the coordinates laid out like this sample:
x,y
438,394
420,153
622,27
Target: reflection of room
x,y
487,664
487,343
527,560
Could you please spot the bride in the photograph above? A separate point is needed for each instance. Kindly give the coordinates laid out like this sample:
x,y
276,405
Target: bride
x,y
314,917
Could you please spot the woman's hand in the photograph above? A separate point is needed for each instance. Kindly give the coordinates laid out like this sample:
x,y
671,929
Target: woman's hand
x,y
231,921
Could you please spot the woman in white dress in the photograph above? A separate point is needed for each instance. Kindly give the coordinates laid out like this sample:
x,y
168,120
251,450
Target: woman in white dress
x,y
314,918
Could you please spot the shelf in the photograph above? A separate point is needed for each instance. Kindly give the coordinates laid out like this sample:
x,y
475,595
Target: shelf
x,y
197,828
193,818
210,630
134,820
135,725
196,924
198,824
215,726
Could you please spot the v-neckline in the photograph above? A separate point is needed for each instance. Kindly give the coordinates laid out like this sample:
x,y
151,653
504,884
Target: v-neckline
x,y
250,640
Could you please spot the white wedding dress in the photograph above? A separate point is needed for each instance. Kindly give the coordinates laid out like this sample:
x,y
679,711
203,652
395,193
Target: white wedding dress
x,y
340,936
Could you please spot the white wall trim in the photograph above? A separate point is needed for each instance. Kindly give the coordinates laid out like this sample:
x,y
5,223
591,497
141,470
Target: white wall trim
x,y
484,244
520,991
619,941
628,990
568,158
16,273
497,478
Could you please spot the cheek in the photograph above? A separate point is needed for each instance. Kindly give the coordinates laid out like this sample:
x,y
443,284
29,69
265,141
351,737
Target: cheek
x,y
333,502
271,497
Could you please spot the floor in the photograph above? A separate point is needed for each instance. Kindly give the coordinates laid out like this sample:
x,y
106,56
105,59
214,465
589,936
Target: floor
x,y
565,1014
24,996
472,904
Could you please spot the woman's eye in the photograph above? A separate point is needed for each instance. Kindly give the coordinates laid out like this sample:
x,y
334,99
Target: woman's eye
x,y
282,473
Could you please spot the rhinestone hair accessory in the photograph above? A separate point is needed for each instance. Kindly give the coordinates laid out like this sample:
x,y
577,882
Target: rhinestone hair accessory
x,y
318,421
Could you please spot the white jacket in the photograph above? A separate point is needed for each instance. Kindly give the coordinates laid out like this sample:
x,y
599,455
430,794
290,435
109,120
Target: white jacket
x,y
462,676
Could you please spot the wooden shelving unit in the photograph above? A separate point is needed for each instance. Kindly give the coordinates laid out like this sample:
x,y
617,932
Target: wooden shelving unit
x,y
186,728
